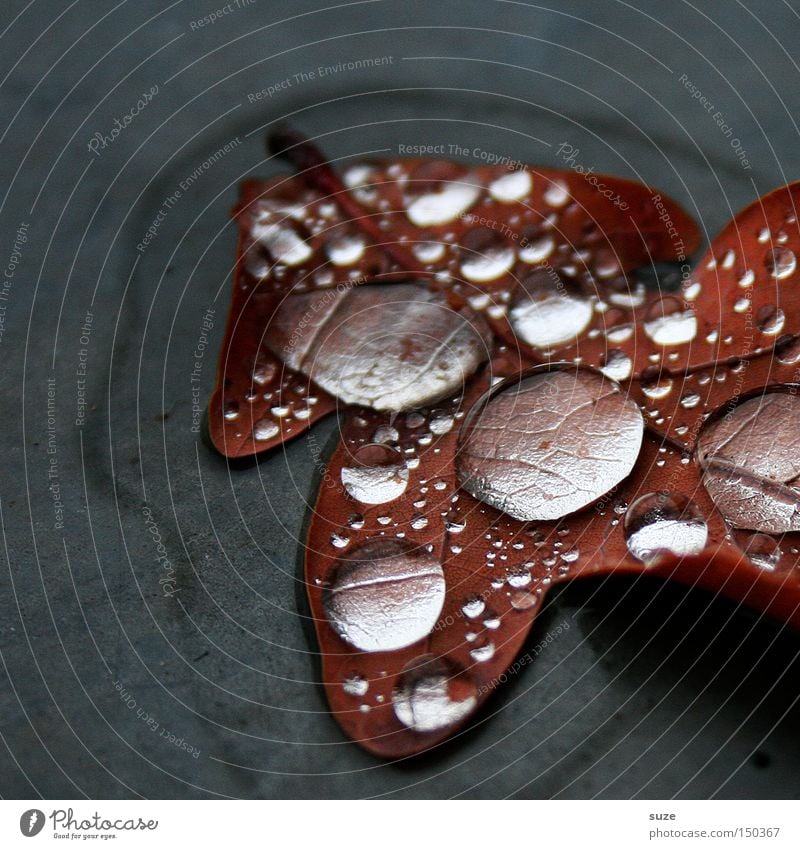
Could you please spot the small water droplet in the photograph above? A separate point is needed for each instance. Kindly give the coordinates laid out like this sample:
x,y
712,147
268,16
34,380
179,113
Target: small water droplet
x,y
780,262
356,686
265,429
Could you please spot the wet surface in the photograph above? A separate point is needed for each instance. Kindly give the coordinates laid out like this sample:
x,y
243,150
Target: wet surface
x,y
651,690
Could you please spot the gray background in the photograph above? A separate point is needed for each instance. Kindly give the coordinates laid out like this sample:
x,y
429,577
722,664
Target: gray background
x,y
653,691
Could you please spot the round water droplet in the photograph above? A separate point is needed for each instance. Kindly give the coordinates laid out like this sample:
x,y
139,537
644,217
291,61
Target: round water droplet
x,y
655,383
522,600
485,256
473,607
428,252
385,596
764,551
663,522
557,194
386,433
265,429
550,444
432,694
750,458
770,320
392,346
376,475
480,654
780,262
669,323
436,198
231,411
441,423
511,187
617,365
550,310
346,249
418,521
788,351
536,250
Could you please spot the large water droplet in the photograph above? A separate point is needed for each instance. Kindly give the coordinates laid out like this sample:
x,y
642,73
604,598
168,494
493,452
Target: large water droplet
x,y
550,444
432,694
550,310
389,346
663,522
385,596
376,475
750,459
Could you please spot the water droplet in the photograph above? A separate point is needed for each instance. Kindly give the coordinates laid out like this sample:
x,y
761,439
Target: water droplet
x,y
265,429
443,206
386,433
764,551
669,323
656,384
780,262
480,654
747,279
346,249
433,694
418,522
550,310
770,320
511,187
537,250
690,400
550,444
750,462
356,686
428,252
385,596
788,351
282,242
557,194
522,600
473,607
377,475
231,411
618,365
441,423
662,522
485,256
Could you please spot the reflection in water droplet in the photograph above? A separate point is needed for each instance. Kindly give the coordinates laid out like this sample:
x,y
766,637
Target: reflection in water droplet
x,y
668,323
385,596
265,429
550,444
550,310
750,458
764,551
376,476
522,600
788,351
511,187
231,411
655,383
690,400
747,279
770,320
664,522
780,262
432,694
